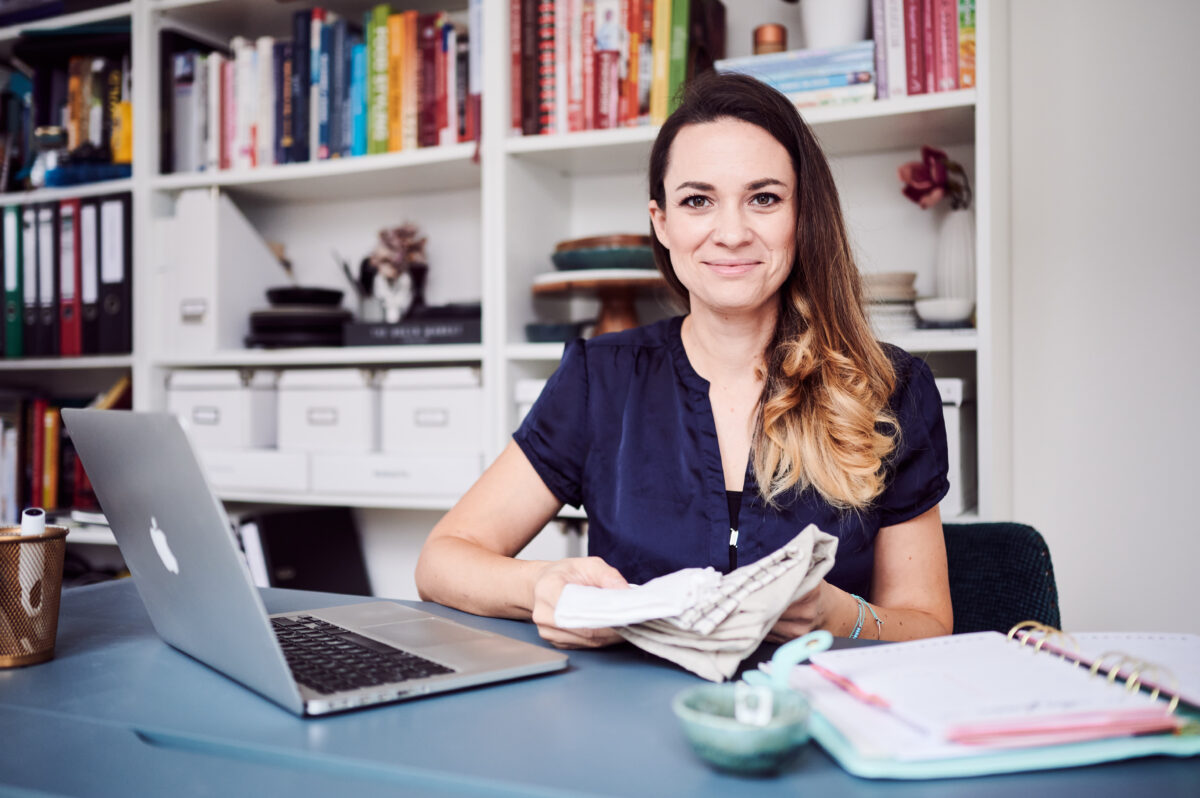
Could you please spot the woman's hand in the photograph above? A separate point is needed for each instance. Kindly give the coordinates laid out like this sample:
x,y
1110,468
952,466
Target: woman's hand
x,y
807,613
549,586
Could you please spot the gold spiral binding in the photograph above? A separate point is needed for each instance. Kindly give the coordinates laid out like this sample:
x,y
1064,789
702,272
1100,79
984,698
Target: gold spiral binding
x,y
1025,631
1137,668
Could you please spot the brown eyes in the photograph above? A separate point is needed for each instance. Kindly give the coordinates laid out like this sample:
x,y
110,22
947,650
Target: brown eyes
x,y
763,199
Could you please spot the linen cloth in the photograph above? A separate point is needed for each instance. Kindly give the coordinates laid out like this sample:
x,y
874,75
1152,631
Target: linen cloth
x,y
714,621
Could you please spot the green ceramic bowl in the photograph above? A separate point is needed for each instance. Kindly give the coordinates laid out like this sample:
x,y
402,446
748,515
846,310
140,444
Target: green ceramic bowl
x,y
707,715
604,258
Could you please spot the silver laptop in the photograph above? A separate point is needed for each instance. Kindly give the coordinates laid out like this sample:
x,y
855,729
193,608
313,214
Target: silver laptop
x,y
180,548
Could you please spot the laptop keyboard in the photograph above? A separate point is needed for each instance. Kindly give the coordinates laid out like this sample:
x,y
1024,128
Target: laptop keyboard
x,y
330,659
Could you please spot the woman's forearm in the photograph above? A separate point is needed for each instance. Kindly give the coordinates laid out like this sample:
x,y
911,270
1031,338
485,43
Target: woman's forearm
x,y
460,574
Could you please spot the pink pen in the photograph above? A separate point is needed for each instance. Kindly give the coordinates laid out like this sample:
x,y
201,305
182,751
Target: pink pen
x,y
851,688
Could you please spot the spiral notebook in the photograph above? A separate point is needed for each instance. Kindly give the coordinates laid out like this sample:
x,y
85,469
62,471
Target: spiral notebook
x,y
985,703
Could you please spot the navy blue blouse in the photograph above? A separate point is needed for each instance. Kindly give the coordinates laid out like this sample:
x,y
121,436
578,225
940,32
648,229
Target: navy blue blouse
x,y
624,427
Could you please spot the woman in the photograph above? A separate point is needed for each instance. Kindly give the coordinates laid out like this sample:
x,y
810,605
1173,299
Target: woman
x,y
714,438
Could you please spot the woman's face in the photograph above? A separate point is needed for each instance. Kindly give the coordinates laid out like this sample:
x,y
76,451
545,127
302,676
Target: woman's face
x,y
730,216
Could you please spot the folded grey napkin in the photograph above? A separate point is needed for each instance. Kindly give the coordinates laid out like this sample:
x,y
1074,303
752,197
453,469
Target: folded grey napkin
x,y
723,621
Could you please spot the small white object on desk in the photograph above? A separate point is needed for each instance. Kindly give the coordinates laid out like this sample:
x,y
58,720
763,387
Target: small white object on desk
x,y
33,521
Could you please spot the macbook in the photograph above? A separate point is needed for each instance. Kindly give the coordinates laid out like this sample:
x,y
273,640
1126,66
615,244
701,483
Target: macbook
x,y
185,561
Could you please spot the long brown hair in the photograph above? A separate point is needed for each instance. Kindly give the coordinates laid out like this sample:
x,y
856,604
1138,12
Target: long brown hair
x,y
823,419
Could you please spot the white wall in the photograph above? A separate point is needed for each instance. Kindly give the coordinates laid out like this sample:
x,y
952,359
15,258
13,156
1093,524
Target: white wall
x,y
1106,288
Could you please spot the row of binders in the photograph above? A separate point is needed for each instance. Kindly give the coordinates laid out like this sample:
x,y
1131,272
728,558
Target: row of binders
x,y
67,277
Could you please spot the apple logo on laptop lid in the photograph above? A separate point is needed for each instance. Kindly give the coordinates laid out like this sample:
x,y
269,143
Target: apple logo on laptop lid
x,y
159,539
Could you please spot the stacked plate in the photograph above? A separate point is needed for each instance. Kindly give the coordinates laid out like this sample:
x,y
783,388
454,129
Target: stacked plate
x,y
890,300
604,252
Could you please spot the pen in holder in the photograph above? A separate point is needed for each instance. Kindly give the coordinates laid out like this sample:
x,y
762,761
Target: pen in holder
x,y
31,570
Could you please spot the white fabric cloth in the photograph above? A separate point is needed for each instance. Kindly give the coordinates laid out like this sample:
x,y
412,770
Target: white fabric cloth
x,y
587,607
701,620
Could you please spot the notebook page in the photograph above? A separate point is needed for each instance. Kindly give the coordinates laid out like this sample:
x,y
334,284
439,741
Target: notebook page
x,y
1178,653
952,685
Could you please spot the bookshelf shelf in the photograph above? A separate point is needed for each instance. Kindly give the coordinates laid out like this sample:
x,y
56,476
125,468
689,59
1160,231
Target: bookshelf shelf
x,y
66,192
903,122
101,14
347,356
535,352
339,500
423,170
89,362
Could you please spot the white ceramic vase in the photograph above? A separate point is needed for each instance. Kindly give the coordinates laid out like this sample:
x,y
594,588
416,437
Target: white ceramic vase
x,y
955,264
832,23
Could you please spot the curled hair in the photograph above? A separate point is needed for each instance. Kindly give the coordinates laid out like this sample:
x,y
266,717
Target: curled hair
x,y
823,419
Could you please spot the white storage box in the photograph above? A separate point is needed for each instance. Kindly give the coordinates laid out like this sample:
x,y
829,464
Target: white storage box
x,y
329,410
958,409
257,470
225,408
433,411
437,476
526,392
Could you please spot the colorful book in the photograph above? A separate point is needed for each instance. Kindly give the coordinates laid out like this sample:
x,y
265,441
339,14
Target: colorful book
x,y
857,57
377,78
299,88
410,94
945,44
360,109
285,113
966,44
547,68
879,35
51,427
914,50
661,58
677,67
897,70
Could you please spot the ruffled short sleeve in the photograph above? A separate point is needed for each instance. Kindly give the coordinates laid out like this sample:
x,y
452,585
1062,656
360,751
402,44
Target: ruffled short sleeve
x,y
917,469
554,435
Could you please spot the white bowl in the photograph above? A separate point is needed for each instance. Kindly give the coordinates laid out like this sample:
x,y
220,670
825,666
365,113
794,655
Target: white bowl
x,y
945,310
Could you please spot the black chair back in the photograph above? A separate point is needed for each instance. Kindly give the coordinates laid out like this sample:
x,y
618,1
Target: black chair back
x,y
1000,575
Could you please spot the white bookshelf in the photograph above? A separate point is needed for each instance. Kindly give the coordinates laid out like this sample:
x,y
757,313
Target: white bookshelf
x,y
493,214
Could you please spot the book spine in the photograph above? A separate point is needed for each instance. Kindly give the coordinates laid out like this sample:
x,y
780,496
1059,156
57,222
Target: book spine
x,y
301,74
928,46
410,122
428,46
629,114
36,425
121,112
448,98
359,144
212,144
529,67
396,82
914,51
324,64
574,65
515,28
847,58
338,89
587,35
897,71
245,88
660,79
821,82
946,41
316,25
285,112
546,68
840,95
264,126
475,69
462,75
228,113
879,34
50,438
183,112
680,12
966,44
608,92
378,79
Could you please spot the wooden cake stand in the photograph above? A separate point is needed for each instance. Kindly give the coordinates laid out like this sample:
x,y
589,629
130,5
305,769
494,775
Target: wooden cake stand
x,y
615,288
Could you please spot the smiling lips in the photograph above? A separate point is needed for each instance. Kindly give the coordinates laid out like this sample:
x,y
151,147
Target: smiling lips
x,y
731,268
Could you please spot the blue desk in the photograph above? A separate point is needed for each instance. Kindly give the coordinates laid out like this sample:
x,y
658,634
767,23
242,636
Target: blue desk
x,y
117,712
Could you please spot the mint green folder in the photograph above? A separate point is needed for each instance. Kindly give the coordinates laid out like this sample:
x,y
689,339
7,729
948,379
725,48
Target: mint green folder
x,y
1016,760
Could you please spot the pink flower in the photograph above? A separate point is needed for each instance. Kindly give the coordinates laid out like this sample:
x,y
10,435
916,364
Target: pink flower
x,y
927,181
